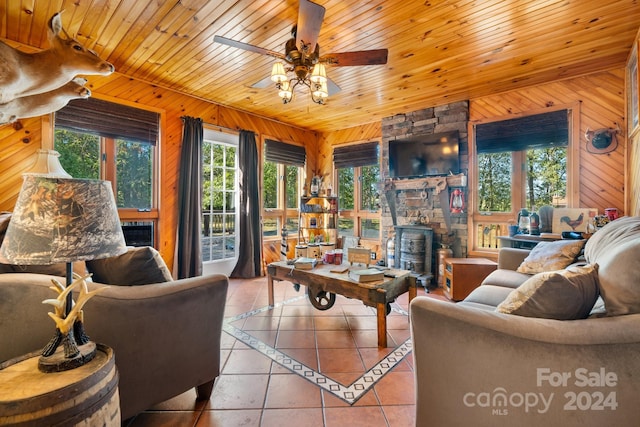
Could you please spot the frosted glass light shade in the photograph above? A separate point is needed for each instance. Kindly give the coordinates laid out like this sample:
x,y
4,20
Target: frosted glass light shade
x,y
319,74
277,73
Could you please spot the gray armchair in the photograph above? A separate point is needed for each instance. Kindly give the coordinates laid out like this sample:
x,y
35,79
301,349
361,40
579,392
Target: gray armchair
x,y
165,336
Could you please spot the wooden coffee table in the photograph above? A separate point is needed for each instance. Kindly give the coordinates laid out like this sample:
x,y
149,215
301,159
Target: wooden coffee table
x,y
321,282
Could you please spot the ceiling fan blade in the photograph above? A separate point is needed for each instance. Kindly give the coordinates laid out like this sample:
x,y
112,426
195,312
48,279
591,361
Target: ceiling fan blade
x,y
332,87
264,83
362,57
247,46
310,17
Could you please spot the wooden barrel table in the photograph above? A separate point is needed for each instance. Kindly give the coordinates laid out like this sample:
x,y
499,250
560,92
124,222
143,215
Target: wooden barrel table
x,y
84,396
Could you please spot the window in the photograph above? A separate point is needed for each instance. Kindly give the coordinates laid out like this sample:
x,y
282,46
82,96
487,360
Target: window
x,y
282,177
97,139
358,175
220,197
132,171
521,163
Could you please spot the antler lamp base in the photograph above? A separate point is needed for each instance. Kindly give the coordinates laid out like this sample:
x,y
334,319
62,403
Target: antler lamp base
x,y
59,362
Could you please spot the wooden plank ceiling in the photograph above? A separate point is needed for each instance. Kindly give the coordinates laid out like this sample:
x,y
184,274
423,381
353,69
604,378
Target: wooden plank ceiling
x,y
439,51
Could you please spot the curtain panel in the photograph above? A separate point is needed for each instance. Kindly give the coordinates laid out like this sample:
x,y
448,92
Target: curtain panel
x,y
188,256
250,251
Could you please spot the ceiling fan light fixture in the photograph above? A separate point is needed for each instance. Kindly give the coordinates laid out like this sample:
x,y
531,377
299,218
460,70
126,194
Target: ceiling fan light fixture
x,y
319,74
285,92
320,91
278,74
302,58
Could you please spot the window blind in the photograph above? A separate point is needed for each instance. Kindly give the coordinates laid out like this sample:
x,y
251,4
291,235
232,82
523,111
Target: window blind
x,y
109,120
524,133
280,152
355,155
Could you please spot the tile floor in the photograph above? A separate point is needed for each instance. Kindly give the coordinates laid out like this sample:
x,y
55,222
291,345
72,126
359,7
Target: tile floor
x,y
296,365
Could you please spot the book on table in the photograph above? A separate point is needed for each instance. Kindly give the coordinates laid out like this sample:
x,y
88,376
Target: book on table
x,y
304,263
367,275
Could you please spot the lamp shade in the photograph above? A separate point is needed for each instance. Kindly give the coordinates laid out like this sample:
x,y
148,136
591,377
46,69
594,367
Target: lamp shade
x,y
321,91
285,91
63,220
319,74
47,163
277,73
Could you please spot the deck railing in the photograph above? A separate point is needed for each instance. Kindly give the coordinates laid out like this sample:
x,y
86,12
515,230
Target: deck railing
x,y
216,223
487,234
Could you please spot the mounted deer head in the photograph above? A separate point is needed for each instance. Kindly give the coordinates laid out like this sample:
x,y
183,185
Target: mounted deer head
x,y
43,103
25,74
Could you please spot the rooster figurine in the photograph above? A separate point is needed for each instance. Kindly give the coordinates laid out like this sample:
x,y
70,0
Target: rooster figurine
x,y
573,223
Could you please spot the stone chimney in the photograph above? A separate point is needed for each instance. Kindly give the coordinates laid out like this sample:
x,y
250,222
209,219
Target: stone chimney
x,y
419,200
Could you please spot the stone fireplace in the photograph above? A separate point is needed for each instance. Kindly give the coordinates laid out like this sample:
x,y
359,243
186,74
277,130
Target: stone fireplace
x,y
425,201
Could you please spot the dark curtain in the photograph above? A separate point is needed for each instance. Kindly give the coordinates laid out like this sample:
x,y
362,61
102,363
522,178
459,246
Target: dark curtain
x,y
188,257
249,254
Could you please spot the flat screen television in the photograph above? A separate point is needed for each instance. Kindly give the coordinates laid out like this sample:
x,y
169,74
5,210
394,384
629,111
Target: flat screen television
x,y
426,155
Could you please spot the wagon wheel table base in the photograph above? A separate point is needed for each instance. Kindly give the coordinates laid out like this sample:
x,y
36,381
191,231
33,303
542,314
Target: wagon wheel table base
x,y
323,286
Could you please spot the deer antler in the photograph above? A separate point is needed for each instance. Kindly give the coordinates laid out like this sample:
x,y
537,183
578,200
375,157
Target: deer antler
x,y
65,323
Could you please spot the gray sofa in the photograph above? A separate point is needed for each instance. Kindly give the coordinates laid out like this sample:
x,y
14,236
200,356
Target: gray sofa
x,y
476,366
165,336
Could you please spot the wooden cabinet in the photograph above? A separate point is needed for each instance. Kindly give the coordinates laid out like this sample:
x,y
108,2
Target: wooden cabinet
x,y
463,275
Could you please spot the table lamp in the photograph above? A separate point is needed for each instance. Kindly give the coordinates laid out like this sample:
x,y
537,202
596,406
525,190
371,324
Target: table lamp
x,y
58,220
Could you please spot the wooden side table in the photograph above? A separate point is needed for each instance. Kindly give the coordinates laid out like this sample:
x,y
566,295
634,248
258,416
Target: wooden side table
x,y
84,396
463,275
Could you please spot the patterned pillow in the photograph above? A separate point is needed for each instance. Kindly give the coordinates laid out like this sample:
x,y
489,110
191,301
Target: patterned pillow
x,y
550,256
562,295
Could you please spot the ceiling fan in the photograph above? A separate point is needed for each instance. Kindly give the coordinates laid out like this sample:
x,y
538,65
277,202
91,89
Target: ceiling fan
x,y
302,57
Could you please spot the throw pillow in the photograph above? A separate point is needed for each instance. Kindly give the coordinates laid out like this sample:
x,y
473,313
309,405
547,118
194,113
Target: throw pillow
x,y
618,274
138,266
562,295
550,256
616,249
611,236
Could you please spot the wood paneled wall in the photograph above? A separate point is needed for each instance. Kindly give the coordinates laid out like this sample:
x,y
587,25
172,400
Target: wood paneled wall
x,y
602,105
601,100
19,143
16,156
326,142
633,165
634,175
